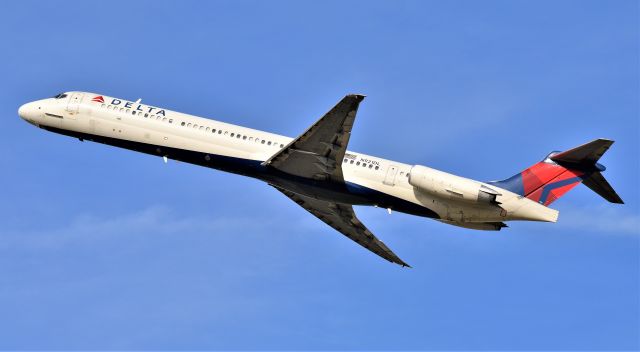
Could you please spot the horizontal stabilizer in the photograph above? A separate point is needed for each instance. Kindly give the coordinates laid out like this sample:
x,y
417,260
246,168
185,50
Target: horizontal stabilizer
x,y
584,156
599,184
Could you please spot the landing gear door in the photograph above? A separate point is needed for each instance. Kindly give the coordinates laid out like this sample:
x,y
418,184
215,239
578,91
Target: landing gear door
x,y
74,104
390,178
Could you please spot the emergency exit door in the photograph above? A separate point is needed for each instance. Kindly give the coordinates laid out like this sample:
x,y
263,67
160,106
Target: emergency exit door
x,y
390,178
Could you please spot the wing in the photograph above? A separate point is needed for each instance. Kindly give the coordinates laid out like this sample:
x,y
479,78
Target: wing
x,y
318,152
342,218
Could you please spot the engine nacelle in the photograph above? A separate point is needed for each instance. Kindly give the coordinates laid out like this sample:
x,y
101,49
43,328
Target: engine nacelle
x,y
447,186
484,226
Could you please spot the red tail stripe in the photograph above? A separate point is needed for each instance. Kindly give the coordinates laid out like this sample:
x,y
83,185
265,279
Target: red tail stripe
x,y
538,175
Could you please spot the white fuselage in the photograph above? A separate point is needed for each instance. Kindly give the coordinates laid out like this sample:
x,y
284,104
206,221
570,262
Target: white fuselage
x,y
233,148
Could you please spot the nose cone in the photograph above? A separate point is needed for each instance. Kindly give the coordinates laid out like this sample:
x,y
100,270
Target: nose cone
x,y
22,111
28,111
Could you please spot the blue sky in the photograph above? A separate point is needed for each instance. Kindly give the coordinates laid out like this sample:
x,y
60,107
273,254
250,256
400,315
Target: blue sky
x,y
103,248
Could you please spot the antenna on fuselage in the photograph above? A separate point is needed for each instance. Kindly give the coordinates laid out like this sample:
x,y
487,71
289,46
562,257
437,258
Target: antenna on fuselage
x,y
138,101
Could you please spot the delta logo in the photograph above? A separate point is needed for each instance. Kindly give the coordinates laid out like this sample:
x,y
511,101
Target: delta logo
x,y
131,105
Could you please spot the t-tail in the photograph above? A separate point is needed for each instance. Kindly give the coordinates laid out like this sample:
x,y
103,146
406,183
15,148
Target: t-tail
x,y
559,172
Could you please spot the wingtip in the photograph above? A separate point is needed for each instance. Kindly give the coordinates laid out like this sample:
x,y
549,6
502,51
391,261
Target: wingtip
x,y
359,97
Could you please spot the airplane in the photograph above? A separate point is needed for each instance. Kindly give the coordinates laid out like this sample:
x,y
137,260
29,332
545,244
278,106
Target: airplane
x,y
316,170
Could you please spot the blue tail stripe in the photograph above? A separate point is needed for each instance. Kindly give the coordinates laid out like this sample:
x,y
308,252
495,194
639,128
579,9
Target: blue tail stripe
x,y
513,184
546,189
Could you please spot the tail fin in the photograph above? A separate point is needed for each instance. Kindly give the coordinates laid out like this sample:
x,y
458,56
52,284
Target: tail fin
x,y
559,172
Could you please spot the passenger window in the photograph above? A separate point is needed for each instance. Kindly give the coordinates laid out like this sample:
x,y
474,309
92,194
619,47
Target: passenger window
x,y
195,126
250,139
189,124
238,136
345,161
213,130
219,131
269,143
207,129
133,112
164,119
201,128
170,120
351,162
226,133
370,165
358,163
263,141
244,138
182,123
103,105
233,134
108,107
146,115
377,167
121,109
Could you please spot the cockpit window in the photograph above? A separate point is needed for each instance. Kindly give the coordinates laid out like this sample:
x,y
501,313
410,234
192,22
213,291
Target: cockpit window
x,y
60,96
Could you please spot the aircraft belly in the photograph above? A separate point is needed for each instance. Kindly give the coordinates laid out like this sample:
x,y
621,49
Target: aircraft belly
x,y
352,194
331,193
345,193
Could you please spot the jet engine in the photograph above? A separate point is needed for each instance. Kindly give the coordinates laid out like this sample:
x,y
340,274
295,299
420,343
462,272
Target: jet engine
x,y
484,226
447,186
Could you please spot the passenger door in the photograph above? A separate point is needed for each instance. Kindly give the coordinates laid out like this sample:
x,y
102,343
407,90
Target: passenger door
x,y
74,104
